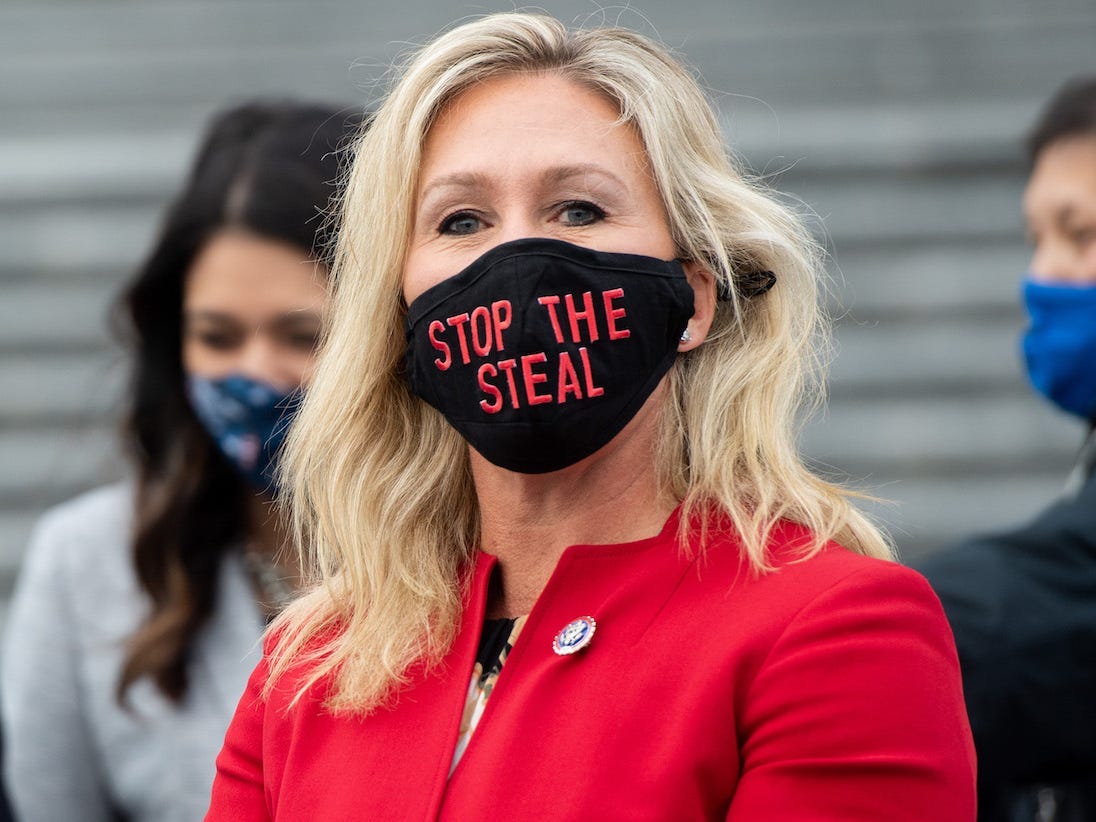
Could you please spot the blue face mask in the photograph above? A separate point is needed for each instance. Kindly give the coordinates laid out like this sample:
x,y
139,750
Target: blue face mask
x,y
1060,344
247,419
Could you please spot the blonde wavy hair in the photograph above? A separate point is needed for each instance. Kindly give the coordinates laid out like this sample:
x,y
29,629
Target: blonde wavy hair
x,y
379,484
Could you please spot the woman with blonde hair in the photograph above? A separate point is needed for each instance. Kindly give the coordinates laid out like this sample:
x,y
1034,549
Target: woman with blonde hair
x,y
569,564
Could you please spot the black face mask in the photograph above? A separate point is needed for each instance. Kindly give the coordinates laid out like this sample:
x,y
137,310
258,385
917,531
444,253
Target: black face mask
x,y
540,351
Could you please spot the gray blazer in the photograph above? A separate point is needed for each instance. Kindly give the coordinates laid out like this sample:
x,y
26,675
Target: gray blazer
x,y
71,753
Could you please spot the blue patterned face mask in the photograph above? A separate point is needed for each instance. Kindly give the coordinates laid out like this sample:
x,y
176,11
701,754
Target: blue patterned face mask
x,y
247,419
1060,344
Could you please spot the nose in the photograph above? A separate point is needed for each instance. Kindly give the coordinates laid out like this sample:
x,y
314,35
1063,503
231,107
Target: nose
x,y
1053,262
519,225
261,360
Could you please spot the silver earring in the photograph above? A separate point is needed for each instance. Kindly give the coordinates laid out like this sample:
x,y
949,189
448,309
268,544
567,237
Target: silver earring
x,y
686,336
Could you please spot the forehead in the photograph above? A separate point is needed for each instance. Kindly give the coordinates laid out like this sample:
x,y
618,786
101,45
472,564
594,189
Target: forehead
x,y
1064,175
514,122
240,270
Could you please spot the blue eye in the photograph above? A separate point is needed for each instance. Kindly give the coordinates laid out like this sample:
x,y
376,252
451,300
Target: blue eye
x,y
463,222
580,213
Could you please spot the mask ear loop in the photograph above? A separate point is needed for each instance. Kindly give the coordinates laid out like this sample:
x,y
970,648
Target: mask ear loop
x,y
750,285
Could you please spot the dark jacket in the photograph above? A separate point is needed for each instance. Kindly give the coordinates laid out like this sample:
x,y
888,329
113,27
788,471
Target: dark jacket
x,y
1022,605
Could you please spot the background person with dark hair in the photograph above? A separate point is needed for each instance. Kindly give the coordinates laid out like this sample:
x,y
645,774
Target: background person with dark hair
x,y
137,617
1023,604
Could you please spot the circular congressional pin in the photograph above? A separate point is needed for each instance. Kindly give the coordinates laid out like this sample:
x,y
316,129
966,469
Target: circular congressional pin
x,y
575,636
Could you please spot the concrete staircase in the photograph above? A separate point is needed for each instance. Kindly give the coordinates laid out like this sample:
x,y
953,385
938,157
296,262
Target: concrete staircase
x,y
898,127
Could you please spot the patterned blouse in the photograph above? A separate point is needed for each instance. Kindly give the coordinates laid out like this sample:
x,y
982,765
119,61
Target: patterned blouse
x,y
498,637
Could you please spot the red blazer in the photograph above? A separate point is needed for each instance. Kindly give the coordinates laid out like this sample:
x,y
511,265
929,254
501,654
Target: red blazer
x,y
826,690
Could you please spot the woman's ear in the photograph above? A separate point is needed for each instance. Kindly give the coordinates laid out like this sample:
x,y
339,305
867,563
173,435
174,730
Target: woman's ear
x,y
703,282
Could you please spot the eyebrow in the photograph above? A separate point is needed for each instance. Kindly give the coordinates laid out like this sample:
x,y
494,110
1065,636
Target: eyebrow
x,y
298,316
474,180
564,174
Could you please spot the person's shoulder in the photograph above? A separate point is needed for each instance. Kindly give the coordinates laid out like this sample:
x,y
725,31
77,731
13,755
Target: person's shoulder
x,y
77,570
85,532
108,506
806,578
799,565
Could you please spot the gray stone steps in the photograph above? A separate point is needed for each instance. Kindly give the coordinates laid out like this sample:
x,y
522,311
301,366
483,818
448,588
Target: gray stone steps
x,y
43,316
924,279
882,50
891,141
926,357
924,514
122,163
897,124
52,463
60,389
72,239
15,530
988,433
108,166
